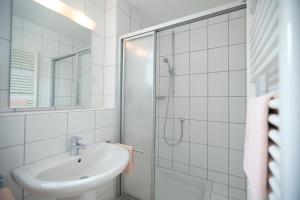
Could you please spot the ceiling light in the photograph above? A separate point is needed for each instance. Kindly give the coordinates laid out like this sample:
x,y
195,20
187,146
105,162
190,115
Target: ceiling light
x,y
65,10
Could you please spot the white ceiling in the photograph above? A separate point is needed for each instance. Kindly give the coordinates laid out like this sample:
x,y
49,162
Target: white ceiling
x,y
158,11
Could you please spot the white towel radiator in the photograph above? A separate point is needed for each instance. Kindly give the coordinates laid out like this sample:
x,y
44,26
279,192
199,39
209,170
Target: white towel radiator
x,y
274,67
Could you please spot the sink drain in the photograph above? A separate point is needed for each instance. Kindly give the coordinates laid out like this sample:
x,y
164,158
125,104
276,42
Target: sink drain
x,y
84,177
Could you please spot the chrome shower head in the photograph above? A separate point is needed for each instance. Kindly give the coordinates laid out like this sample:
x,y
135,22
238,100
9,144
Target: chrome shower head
x,y
171,71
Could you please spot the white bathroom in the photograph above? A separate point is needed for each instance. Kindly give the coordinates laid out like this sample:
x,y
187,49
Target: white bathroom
x,y
149,99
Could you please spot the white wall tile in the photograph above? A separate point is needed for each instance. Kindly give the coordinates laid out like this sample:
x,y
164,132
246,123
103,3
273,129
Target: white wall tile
x,y
237,83
105,134
181,83
237,182
12,130
198,172
123,22
165,45
236,163
43,149
168,126
181,152
198,85
181,64
165,151
105,118
218,59
198,62
17,38
109,80
11,157
43,126
198,155
164,84
134,26
109,101
198,40
218,109
237,136
111,22
5,19
4,100
177,129
237,193
220,189
218,134
237,109
218,19
110,55
218,84
218,159
218,177
87,137
16,21
181,44
182,168
218,35
181,107
165,163
97,85
4,63
237,57
237,31
98,15
198,24
81,121
198,132
97,46
32,28
198,108
110,4
32,42
163,107
237,14
215,196
182,28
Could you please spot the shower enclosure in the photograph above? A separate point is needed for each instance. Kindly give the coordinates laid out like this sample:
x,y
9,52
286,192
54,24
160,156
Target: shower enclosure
x,y
71,77
182,106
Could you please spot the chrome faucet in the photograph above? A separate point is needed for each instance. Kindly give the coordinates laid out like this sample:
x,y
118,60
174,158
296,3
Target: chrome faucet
x,y
76,146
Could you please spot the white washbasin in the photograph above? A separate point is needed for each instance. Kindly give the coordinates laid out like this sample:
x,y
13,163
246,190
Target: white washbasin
x,y
67,176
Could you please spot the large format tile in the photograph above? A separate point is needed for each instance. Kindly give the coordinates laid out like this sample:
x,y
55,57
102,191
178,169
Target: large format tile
x,y
43,126
218,159
12,130
81,121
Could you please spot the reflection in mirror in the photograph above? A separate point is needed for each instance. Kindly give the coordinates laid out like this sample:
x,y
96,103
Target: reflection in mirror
x,y
50,58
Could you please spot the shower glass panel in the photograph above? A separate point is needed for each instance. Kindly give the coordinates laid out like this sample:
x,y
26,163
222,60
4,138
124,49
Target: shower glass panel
x,y
138,113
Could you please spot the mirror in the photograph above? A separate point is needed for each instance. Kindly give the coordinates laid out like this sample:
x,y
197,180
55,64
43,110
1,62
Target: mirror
x,y
50,58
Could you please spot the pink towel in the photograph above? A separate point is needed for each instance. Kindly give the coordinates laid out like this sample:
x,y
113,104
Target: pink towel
x,y
256,147
6,194
129,168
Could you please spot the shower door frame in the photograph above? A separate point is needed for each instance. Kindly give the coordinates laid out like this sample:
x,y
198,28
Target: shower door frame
x,y
230,7
120,136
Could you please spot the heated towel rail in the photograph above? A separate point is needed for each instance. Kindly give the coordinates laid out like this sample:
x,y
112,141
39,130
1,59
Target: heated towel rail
x,y
263,74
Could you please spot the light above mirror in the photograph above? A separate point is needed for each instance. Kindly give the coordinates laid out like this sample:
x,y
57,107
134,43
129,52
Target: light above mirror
x,y
67,11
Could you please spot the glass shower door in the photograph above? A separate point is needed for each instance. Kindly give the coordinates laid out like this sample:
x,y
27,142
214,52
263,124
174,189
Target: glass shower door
x,y
138,114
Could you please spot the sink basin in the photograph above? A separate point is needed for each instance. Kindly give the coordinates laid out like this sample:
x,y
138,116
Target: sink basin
x,y
69,176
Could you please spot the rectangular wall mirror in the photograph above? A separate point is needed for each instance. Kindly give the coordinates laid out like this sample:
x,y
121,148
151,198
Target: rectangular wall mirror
x,y
50,58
